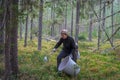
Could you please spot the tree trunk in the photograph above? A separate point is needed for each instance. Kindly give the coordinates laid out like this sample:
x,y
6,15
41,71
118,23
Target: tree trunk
x,y
7,40
72,17
1,29
90,29
52,18
112,17
99,31
11,33
103,22
66,15
7,55
51,28
26,31
20,22
31,37
31,23
1,40
77,20
21,30
40,25
14,37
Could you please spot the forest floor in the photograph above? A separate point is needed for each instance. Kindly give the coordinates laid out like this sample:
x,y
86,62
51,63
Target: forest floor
x,y
94,65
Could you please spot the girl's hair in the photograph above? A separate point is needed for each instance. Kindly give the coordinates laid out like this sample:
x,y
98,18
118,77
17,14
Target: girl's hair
x,y
64,31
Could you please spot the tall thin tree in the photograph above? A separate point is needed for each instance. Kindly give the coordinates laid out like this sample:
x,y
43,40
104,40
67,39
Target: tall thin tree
x,y
1,27
90,28
14,37
21,27
65,14
7,73
20,22
77,20
31,21
26,32
112,19
99,30
72,10
40,25
103,22
31,28
52,18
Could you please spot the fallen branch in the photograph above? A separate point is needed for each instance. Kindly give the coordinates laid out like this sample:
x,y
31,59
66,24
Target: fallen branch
x,y
117,46
113,25
49,39
98,19
102,26
110,49
113,34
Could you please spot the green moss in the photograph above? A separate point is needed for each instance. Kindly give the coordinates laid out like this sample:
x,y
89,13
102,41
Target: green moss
x,y
93,65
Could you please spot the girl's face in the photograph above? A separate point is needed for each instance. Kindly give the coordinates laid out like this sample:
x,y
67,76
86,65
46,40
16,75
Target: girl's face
x,y
64,36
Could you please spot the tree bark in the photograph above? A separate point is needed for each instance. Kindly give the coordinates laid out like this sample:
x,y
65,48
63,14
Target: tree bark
x,y
20,22
14,37
66,15
71,17
40,25
112,17
26,31
103,22
51,28
99,31
1,28
21,30
7,40
11,33
90,29
52,18
31,36
7,55
77,20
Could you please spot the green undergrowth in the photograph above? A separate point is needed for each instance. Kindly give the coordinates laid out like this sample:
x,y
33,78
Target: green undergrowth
x,y
93,65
